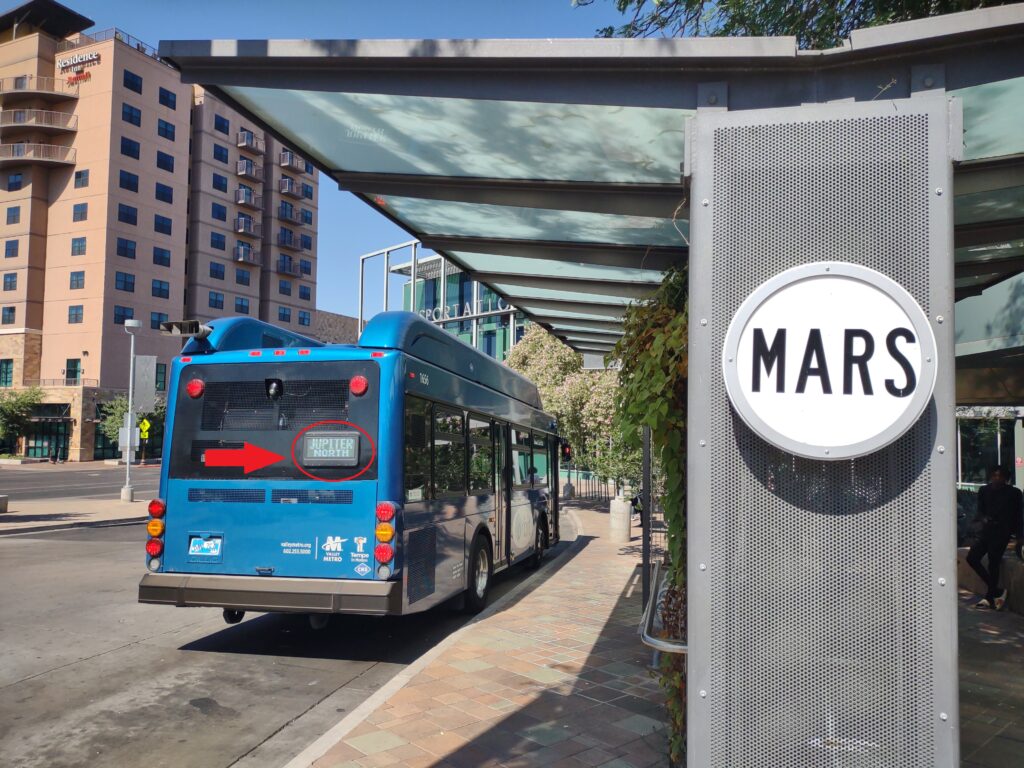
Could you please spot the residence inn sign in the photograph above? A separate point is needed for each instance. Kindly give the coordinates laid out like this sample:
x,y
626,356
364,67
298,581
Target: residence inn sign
x,y
829,361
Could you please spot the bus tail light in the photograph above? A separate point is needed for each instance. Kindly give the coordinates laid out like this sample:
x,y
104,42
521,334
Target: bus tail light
x,y
384,553
195,388
154,563
154,547
358,385
157,508
385,532
385,511
155,527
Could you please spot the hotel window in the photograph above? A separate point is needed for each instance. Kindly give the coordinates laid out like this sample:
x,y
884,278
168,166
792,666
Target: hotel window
x,y
11,281
126,214
161,257
80,212
123,313
220,183
128,181
219,212
81,179
161,377
284,314
221,124
165,129
126,247
220,153
218,241
164,193
304,317
155,318
132,81
14,215
216,300
305,293
161,224
306,242
7,373
78,246
11,249
161,289
284,288
242,276
131,114
13,182
241,305
168,98
165,162
307,216
75,314
306,266
216,270
7,316
124,281
77,280
307,191
130,148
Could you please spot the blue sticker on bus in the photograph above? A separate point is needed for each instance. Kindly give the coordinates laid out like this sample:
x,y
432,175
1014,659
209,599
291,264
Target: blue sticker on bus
x,y
205,547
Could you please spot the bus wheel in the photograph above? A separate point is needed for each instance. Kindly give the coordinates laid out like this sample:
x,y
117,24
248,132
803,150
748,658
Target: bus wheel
x,y
479,575
540,541
318,621
233,617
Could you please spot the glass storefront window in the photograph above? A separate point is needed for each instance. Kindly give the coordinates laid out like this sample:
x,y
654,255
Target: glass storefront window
x,y
984,443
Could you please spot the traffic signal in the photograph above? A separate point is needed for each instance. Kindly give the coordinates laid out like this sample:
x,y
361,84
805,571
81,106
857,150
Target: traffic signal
x,y
566,453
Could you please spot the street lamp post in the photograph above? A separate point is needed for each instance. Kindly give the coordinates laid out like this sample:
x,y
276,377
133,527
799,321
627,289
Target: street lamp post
x,y
128,493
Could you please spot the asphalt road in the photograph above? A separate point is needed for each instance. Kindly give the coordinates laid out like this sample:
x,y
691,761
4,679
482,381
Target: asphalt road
x,y
93,480
89,677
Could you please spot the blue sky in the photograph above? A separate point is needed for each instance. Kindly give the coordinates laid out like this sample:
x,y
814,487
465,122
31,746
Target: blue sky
x,y
348,227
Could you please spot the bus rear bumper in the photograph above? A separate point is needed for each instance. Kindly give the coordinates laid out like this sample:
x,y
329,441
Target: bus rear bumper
x,y
273,594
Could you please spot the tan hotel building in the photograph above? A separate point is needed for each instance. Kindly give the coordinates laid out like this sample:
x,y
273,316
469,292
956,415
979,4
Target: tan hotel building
x,y
127,194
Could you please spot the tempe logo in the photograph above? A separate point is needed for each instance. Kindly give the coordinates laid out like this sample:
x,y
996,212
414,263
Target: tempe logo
x,y
830,361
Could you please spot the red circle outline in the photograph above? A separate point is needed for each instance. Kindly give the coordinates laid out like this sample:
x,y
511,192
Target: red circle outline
x,y
301,432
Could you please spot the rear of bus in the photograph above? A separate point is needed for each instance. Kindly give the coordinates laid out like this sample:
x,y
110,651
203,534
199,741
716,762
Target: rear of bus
x,y
312,530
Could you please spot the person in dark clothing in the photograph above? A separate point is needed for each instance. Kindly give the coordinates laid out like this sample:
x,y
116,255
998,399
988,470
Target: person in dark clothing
x,y
1001,514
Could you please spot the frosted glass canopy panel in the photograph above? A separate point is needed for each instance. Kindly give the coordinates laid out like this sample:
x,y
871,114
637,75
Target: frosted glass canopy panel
x,y
382,133
515,265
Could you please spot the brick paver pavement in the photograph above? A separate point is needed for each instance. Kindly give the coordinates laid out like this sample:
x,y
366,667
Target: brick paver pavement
x,y
557,678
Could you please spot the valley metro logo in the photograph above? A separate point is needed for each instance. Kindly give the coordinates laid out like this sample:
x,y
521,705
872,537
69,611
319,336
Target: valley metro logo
x,y
332,548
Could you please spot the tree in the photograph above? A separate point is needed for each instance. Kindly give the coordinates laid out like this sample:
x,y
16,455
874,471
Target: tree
x,y
815,25
16,410
115,410
545,361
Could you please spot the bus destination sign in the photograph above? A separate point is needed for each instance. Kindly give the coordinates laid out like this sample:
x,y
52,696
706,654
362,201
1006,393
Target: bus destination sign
x,y
330,449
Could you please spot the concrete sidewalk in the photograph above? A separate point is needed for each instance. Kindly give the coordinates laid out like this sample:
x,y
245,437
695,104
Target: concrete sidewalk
x,y
552,675
52,514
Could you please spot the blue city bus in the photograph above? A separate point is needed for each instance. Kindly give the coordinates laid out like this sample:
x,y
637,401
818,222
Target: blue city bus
x,y
378,478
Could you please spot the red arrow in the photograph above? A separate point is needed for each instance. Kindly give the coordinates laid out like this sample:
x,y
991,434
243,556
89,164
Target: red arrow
x,y
249,457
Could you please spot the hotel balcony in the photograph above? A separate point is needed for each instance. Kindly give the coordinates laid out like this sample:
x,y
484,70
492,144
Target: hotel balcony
x,y
289,187
36,86
247,169
287,267
288,241
44,154
290,160
248,141
246,226
246,255
289,214
249,199
37,121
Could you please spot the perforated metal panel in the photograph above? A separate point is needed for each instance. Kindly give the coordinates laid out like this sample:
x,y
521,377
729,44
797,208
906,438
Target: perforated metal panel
x,y
819,632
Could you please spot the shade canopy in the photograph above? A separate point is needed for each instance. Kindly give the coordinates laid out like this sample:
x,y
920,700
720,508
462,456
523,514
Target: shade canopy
x,y
554,170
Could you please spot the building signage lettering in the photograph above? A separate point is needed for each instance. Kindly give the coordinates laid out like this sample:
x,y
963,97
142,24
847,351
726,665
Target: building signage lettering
x,y
452,312
830,361
78,60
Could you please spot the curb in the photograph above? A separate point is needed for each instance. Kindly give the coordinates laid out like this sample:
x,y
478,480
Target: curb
x,y
70,526
320,747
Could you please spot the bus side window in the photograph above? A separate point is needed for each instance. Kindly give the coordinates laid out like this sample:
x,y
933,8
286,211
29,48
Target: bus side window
x,y
417,449
521,459
540,460
449,453
481,456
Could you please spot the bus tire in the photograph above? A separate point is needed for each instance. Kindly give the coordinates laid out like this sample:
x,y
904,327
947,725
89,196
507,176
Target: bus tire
x,y
481,568
232,617
540,543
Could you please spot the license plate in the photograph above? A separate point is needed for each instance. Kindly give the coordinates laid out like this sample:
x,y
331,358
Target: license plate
x,y
204,547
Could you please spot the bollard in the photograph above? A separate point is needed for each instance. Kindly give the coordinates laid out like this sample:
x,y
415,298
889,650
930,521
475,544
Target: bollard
x,y
620,520
568,491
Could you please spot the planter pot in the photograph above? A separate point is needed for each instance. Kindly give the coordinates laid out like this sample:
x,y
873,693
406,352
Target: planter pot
x,y
652,631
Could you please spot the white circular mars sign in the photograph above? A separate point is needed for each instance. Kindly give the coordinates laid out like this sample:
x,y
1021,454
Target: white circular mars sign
x,y
830,361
